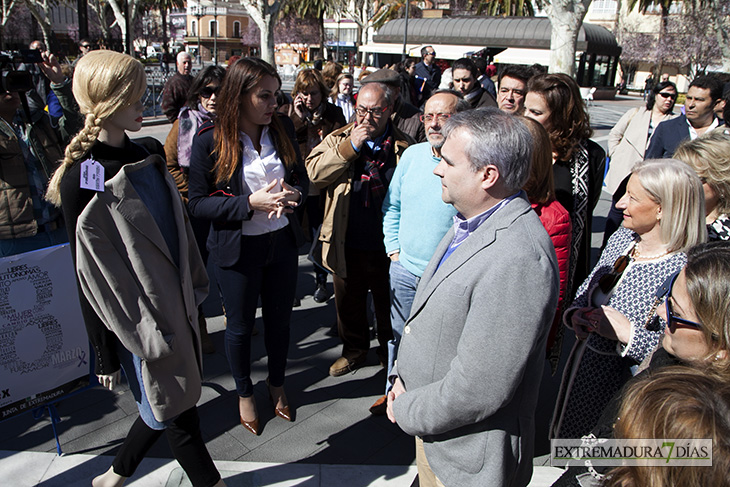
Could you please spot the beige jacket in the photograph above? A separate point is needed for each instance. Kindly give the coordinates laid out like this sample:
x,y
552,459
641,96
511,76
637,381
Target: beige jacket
x,y
627,143
330,168
128,275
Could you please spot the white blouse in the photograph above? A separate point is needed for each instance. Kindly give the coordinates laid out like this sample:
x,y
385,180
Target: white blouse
x,y
258,171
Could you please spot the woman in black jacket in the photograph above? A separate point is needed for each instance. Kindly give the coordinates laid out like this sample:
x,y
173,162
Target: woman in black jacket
x,y
246,176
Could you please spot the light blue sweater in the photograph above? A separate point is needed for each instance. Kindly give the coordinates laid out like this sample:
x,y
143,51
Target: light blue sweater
x,y
415,218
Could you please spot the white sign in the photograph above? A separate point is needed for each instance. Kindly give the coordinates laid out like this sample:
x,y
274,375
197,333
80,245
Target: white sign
x,y
44,348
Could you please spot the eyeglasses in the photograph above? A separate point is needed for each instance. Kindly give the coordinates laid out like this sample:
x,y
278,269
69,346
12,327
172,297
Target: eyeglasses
x,y
674,321
429,117
375,112
673,96
85,46
209,91
609,281
432,53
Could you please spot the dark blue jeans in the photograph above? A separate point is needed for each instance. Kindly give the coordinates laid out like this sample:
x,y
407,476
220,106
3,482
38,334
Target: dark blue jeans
x,y
267,267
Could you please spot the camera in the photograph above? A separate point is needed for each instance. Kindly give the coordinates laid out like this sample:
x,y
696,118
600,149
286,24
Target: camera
x,y
13,79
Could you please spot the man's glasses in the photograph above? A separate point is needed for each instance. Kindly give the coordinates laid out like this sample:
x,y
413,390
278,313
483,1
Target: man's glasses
x,y
430,117
432,53
673,96
85,46
375,112
609,281
208,91
674,321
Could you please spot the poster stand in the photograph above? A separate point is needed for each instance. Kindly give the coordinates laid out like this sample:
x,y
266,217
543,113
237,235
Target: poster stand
x,y
45,355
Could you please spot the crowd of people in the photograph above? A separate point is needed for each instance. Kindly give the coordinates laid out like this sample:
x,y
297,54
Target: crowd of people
x,y
465,212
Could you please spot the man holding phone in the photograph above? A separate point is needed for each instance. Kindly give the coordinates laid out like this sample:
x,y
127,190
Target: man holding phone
x,y
354,166
41,95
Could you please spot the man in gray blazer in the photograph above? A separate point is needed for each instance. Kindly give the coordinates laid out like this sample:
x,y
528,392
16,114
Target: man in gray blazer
x,y
470,360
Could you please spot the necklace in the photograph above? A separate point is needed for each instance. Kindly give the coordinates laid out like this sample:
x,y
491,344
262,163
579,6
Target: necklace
x,y
637,254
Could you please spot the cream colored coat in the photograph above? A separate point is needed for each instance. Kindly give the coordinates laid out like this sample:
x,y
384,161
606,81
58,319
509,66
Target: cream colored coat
x,y
131,280
330,167
627,143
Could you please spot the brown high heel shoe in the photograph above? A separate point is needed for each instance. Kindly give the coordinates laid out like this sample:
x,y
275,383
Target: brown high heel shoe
x,y
284,411
252,426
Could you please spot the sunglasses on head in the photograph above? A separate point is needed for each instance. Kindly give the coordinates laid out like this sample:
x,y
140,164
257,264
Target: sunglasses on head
x,y
673,96
209,91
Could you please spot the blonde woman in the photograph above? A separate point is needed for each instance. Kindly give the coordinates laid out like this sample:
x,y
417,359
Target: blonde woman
x,y
709,156
663,212
132,326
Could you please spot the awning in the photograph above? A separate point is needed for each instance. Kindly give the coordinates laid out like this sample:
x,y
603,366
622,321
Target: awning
x,y
515,55
493,32
443,51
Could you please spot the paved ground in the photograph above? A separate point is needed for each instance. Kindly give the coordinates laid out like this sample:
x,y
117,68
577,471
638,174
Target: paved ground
x,y
333,442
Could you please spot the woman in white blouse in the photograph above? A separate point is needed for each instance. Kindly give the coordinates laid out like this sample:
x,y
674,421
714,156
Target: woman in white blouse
x,y
246,176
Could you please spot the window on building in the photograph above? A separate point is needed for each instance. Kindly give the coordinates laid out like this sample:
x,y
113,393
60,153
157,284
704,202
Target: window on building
x,y
605,7
236,29
213,28
193,29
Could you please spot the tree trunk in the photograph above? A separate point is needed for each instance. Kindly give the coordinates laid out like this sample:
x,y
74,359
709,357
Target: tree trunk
x,y
7,9
165,47
566,18
43,21
322,36
119,19
264,14
267,39
103,24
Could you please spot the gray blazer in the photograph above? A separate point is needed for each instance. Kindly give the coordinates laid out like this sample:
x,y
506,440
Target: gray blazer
x,y
471,355
127,273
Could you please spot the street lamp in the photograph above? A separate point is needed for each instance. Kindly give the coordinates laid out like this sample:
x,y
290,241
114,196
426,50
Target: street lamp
x,y
198,13
405,36
215,32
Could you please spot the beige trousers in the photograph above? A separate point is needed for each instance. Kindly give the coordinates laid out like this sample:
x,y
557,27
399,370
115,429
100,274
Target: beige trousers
x,y
426,477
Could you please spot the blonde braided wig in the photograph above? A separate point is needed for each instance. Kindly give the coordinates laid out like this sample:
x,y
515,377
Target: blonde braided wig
x,y
104,82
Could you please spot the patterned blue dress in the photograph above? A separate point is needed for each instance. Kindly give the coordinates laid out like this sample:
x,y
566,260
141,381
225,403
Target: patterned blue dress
x,y
598,367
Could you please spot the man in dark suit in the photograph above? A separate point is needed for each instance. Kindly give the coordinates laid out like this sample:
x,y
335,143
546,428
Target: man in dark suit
x,y
703,94
470,360
427,68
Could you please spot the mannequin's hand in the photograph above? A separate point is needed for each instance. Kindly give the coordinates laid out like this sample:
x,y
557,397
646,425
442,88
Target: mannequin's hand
x,y
109,381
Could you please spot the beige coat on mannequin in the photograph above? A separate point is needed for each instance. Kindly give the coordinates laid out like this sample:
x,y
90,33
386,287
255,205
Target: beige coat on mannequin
x,y
127,273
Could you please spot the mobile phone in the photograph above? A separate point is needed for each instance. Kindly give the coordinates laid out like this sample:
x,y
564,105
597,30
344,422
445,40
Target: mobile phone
x,y
31,56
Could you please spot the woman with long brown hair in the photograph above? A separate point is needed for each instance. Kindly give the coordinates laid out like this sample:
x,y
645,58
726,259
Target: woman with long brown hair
x,y
246,176
554,100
